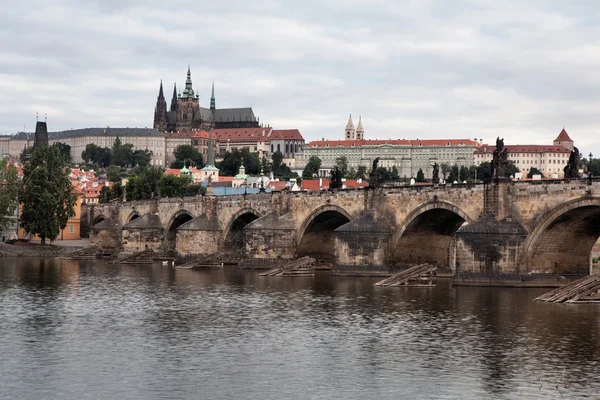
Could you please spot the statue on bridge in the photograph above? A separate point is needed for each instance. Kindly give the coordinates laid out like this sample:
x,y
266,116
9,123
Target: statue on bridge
x,y
435,178
373,179
571,170
335,182
500,164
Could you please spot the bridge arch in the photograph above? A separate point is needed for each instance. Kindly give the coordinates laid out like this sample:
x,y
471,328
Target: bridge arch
x,y
233,238
178,219
133,215
316,236
562,240
426,234
98,219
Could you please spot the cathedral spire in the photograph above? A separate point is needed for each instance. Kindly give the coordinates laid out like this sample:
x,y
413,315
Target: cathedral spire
x,y
212,98
189,90
360,132
160,92
350,131
174,99
160,111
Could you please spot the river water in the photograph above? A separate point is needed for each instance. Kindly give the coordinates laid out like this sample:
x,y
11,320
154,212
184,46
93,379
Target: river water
x,y
89,330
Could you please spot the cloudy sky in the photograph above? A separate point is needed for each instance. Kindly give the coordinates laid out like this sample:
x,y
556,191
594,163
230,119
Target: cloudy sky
x,y
412,69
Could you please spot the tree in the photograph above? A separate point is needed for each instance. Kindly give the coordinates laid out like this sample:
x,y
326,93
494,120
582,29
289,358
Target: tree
x,y
252,163
144,185
9,190
484,171
278,168
99,156
463,173
351,173
342,163
453,174
265,165
116,191
113,173
361,172
445,169
46,193
104,194
512,168
185,153
231,163
394,177
26,153
122,154
65,150
420,176
141,158
174,186
534,171
382,174
312,167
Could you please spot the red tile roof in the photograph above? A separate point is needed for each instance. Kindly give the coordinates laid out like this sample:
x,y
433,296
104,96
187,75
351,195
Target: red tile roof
x,y
201,134
563,136
173,171
286,134
183,135
225,178
524,148
277,186
313,184
242,134
394,142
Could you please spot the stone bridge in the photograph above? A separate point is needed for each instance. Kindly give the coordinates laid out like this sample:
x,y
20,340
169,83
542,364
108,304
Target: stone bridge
x,y
513,229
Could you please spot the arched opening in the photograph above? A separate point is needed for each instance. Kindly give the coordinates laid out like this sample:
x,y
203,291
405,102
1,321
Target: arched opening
x,y
563,242
234,237
317,238
426,237
134,215
171,234
98,219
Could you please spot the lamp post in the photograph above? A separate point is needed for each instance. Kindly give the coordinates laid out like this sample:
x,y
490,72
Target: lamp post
x,y
589,169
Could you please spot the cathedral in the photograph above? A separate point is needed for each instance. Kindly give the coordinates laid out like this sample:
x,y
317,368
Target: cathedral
x,y
185,113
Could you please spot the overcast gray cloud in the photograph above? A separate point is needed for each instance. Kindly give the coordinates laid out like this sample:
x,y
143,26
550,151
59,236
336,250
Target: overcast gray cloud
x,y
412,69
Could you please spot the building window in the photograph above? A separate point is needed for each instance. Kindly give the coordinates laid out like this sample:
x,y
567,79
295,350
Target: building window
x,y
272,149
71,228
278,147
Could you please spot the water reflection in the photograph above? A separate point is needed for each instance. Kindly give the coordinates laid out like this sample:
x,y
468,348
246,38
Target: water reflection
x,y
74,330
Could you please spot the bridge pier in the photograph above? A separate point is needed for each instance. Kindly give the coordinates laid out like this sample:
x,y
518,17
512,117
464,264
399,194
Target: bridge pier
x,y
199,236
272,237
143,233
361,247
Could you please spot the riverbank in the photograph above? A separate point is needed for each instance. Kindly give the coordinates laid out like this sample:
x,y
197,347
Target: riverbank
x,y
34,249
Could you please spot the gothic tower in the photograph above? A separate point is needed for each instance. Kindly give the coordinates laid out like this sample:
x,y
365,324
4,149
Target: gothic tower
x,y
213,106
187,105
174,99
350,132
360,132
160,111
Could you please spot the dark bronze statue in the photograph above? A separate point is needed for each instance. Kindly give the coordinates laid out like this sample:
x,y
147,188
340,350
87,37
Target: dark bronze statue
x,y
500,164
373,178
335,182
572,168
436,173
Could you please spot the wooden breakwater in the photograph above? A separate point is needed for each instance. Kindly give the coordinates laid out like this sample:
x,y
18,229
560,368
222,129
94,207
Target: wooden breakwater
x,y
419,275
585,290
304,266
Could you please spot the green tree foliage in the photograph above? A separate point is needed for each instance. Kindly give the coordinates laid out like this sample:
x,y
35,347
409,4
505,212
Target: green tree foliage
x,y
382,174
96,155
361,172
144,185
122,154
116,191
351,173
534,171
113,173
9,190
25,154
484,171
265,165
394,176
420,176
594,167
46,193
453,174
445,168
104,194
463,173
185,153
342,163
279,169
512,168
312,167
232,161
141,158
65,150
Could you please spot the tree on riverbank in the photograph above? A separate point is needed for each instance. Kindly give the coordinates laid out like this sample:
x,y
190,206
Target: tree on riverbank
x,y
9,190
46,193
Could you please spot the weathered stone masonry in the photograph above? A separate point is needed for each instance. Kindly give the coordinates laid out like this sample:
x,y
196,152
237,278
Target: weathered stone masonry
x,y
507,228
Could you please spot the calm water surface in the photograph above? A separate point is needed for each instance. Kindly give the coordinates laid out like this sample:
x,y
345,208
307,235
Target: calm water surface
x,y
89,330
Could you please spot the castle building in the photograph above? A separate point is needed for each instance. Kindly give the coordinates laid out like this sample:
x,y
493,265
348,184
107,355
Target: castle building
x,y
185,113
550,160
408,156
